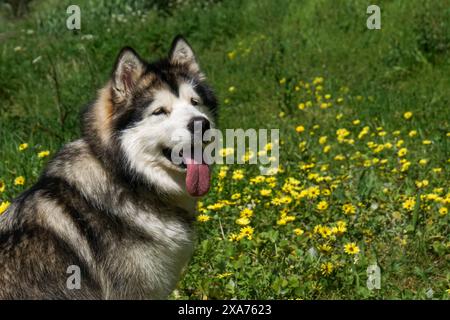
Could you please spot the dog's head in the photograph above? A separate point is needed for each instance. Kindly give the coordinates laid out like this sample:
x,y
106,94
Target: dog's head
x,y
145,117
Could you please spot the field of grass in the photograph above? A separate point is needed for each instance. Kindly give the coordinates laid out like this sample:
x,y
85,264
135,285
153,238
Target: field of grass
x,y
364,133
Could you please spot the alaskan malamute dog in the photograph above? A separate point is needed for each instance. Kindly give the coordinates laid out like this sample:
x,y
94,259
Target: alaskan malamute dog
x,y
113,204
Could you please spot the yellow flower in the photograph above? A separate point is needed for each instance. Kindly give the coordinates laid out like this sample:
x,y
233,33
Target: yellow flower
x,y
232,237
237,175
301,106
231,55
405,166
19,181
325,248
258,179
317,81
326,149
407,115
351,248
412,133
246,232
246,213
23,146
341,227
326,268
243,221
348,208
43,154
324,105
2,186
426,142
322,205
236,196
402,152
423,162
443,211
298,231
300,129
409,204
216,206
422,183
265,192
341,134
356,122
323,139
4,206
282,81
203,218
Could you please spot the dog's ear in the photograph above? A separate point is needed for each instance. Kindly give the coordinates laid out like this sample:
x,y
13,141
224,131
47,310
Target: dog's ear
x,y
181,53
127,70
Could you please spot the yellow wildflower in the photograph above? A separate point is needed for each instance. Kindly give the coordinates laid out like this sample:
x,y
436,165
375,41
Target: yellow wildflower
x,y
43,154
238,175
351,248
349,208
326,268
322,205
246,213
19,181
243,221
203,218
409,204
246,232
4,206
408,115
402,152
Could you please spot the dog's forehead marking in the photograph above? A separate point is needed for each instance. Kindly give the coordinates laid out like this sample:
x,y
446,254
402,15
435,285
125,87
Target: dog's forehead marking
x,y
187,91
165,97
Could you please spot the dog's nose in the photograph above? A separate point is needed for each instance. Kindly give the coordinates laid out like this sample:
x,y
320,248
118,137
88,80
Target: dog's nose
x,y
199,122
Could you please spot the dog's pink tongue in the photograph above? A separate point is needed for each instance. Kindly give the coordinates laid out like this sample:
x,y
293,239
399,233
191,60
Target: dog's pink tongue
x,y
197,178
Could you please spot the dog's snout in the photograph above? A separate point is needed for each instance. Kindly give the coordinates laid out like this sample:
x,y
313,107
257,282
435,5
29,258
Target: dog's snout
x,y
199,122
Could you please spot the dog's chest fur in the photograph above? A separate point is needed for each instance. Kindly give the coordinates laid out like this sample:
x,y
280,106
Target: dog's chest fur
x,y
151,263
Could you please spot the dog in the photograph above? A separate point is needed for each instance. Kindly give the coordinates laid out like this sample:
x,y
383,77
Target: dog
x,y
113,205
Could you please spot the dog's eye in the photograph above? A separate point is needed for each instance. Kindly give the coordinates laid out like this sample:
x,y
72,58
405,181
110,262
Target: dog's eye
x,y
159,111
194,102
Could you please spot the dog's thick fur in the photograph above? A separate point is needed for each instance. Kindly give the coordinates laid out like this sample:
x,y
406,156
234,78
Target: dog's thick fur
x,y
110,202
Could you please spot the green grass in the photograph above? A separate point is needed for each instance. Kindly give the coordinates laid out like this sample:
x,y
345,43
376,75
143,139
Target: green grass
x,y
404,67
